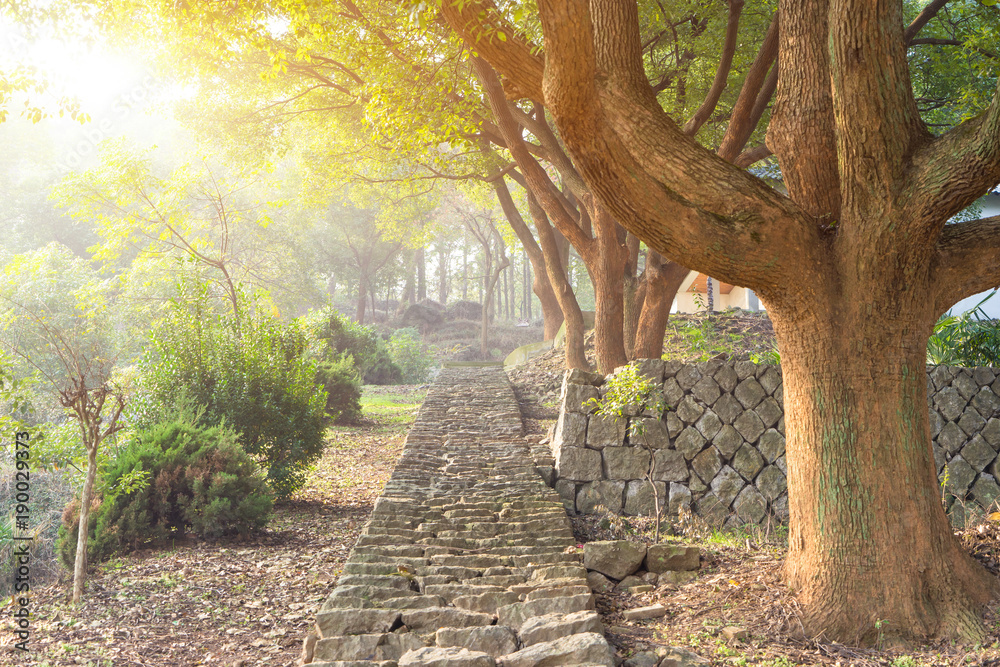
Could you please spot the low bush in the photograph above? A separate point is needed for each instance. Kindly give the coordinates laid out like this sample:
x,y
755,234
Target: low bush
x,y
343,390
174,477
411,355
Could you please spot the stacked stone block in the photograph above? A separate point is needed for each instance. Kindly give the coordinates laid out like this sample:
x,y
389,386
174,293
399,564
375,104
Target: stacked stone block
x,y
464,561
965,428
719,447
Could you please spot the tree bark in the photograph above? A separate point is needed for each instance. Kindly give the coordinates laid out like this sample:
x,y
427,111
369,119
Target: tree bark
x,y
870,544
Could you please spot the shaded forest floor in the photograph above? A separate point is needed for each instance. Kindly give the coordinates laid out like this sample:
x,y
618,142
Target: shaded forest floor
x,y
228,603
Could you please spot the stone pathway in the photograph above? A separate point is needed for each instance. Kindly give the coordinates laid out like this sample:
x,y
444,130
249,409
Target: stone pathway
x,y
463,562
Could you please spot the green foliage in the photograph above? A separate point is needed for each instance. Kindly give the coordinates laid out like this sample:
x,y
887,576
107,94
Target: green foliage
x,y
629,393
969,339
251,373
408,351
176,475
346,338
343,390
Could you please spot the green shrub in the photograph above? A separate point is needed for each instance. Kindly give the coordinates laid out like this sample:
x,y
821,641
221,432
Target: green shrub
x,y
250,372
411,355
175,476
343,391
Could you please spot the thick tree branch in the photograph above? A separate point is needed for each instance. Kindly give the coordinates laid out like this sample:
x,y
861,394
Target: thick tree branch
x,y
721,74
925,15
552,200
957,168
480,24
963,245
752,155
757,82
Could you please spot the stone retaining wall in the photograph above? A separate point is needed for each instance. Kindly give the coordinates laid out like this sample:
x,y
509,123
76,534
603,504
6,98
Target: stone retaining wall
x,y
719,448
463,561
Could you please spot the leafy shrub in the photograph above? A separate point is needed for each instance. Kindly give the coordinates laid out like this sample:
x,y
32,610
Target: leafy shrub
x,y
175,476
343,391
411,355
969,339
346,338
250,372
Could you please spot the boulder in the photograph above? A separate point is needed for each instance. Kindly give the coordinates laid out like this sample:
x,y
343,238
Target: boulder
x,y
464,310
587,648
615,558
667,557
554,626
451,656
423,315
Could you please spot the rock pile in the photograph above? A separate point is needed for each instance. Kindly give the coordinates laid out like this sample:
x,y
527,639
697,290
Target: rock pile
x,y
469,558
638,568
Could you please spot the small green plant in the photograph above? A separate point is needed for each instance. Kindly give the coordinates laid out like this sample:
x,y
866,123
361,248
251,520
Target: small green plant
x,y
904,661
880,640
969,339
768,356
631,393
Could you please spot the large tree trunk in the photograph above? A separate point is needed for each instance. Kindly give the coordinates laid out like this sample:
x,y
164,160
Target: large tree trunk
x,y
871,550
86,495
662,279
855,263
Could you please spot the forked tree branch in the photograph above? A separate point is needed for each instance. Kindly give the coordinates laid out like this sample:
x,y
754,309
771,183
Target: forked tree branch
x,y
721,74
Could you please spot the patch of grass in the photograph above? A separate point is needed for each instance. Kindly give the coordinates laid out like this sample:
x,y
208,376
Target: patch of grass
x,y
391,409
733,333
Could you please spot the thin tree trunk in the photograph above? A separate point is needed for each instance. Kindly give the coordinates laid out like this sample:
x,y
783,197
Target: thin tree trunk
x,y
443,271
80,565
576,356
662,280
542,285
421,274
359,315
606,268
465,269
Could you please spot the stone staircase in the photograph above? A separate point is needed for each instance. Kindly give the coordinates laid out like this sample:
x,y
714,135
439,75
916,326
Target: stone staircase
x,y
464,562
